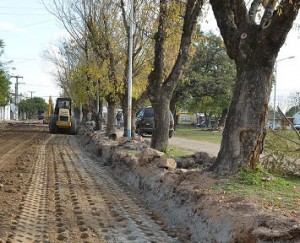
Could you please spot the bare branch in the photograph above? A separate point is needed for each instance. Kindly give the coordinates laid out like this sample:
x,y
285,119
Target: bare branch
x,y
253,10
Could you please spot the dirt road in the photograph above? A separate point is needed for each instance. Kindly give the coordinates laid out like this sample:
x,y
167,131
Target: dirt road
x,y
51,190
198,146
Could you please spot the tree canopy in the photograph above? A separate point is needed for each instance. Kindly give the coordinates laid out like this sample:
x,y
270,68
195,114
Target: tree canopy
x,y
32,106
209,78
4,80
294,100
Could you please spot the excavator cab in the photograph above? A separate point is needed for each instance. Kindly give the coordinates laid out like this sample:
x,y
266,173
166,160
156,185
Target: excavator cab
x,y
61,120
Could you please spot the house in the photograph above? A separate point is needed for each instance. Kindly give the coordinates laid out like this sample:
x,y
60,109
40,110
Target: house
x,y
271,122
186,118
4,113
296,120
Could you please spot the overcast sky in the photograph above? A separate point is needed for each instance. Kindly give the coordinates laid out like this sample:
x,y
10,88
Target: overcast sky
x,y
27,29
288,70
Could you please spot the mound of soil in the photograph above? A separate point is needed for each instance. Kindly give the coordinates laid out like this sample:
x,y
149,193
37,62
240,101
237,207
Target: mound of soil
x,y
182,192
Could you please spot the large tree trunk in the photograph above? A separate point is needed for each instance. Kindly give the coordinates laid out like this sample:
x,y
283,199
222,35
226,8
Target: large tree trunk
x,y
100,115
222,120
254,47
244,131
174,111
111,120
160,89
160,136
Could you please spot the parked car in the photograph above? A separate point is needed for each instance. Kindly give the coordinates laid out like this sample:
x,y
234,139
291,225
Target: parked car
x,y
144,121
41,115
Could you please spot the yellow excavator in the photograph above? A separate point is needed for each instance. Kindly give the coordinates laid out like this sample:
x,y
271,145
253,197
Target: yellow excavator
x,y
61,119
49,112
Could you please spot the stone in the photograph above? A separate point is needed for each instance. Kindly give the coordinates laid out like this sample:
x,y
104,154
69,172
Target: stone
x,y
122,141
167,163
148,155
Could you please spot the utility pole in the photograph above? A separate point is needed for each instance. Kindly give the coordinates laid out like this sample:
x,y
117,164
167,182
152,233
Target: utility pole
x,y
130,70
275,84
31,92
16,94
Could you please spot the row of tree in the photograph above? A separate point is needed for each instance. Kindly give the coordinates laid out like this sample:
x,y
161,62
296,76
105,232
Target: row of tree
x,y
31,107
4,80
93,62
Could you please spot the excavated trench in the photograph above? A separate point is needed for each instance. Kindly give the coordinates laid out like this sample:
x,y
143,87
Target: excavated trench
x,y
186,199
53,190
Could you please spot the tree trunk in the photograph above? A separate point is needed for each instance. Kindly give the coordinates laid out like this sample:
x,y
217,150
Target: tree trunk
x,y
254,47
173,110
160,134
160,89
222,120
124,104
111,110
133,117
100,115
80,113
244,130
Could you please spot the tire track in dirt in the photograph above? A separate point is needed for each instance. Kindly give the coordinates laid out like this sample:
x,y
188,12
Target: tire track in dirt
x,y
121,209
72,198
31,224
11,145
70,216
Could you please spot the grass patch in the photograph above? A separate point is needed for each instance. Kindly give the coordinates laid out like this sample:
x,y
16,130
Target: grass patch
x,y
178,151
282,140
133,152
278,191
199,134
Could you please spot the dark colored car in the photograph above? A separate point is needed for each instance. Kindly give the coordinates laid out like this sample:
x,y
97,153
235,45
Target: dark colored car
x,y
41,115
144,121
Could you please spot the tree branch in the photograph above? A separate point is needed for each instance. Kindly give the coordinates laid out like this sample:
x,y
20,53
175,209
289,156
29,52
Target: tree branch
x,y
253,10
193,8
281,23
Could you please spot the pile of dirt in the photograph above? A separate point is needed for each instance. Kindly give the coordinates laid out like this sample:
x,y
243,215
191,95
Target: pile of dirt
x,y
181,191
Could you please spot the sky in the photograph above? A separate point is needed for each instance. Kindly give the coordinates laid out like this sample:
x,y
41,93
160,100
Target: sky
x,y
27,29
288,64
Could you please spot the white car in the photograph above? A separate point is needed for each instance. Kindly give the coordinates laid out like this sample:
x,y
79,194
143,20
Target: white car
x,y
297,126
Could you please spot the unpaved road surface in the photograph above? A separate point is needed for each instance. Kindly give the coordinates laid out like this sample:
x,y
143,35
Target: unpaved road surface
x,y
51,190
198,146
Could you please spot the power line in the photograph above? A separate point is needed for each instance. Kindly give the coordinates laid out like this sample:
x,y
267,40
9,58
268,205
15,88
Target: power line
x,y
28,25
41,85
21,8
20,14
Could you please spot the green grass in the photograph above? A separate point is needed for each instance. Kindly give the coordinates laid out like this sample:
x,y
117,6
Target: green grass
x,y
282,140
277,191
178,151
198,134
280,192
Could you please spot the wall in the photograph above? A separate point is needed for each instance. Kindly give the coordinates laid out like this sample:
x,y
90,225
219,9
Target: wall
x,y
4,113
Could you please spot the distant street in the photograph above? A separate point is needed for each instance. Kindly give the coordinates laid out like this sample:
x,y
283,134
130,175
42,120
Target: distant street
x,y
211,148
198,146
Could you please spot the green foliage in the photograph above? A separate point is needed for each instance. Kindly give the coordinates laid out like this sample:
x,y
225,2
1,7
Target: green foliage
x,y
4,80
294,100
292,111
32,106
281,152
210,77
283,192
